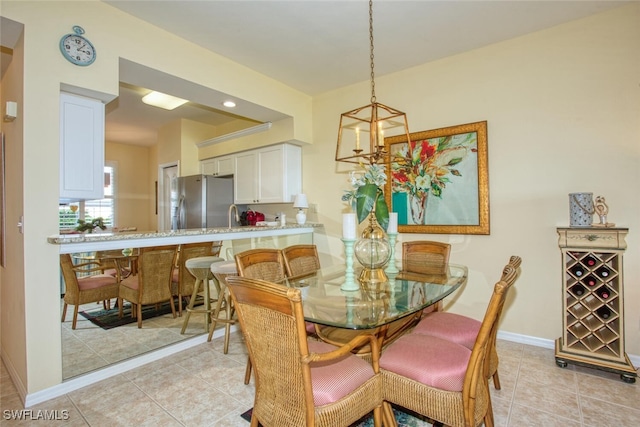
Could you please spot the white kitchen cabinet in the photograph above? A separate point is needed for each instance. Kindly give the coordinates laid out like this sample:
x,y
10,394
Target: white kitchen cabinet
x,y
218,166
268,175
81,148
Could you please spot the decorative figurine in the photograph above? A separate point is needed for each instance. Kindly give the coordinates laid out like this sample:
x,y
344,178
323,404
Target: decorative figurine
x,y
602,210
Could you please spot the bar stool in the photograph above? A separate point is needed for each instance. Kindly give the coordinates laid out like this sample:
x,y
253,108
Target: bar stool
x,y
221,271
200,267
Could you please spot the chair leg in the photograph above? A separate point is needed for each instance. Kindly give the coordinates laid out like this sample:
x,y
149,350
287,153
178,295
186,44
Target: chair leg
x,y
214,318
64,311
173,307
496,380
377,416
139,313
75,316
247,372
120,303
254,421
192,302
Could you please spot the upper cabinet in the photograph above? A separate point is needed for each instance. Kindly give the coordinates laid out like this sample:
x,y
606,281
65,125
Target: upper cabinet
x,y
266,175
218,166
81,148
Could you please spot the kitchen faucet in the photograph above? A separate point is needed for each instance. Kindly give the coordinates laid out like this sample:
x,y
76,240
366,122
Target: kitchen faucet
x,y
232,207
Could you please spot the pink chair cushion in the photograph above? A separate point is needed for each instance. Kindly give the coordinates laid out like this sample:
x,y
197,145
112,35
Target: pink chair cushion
x,y
453,327
429,360
333,380
94,282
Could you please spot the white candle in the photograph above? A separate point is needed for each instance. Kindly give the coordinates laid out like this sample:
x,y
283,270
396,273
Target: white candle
x,y
357,138
393,223
349,226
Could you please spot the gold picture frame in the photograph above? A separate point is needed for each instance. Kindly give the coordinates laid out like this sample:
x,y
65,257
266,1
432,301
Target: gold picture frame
x,y
439,182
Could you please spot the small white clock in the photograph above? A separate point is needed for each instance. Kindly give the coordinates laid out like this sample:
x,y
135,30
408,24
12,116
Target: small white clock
x,y
76,48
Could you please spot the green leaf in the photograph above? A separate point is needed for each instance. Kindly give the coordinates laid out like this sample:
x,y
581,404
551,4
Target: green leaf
x,y
366,198
382,212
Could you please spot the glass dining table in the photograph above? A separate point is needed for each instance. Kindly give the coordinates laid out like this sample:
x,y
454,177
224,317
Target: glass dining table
x,y
373,305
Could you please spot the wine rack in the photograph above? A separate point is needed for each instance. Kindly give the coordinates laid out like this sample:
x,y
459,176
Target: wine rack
x,y
593,309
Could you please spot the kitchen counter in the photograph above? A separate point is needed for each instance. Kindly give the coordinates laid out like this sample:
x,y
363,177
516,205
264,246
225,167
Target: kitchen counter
x,y
71,243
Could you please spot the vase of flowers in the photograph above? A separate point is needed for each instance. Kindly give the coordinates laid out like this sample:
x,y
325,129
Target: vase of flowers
x,y
421,168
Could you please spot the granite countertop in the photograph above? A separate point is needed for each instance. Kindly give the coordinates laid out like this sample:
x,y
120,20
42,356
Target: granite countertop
x,y
61,239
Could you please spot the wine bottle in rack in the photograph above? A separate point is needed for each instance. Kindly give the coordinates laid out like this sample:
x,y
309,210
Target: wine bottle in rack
x,y
590,280
577,270
603,312
589,261
604,292
578,290
603,272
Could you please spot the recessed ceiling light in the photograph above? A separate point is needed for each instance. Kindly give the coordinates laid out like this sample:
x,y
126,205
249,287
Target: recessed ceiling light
x,y
229,104
162,100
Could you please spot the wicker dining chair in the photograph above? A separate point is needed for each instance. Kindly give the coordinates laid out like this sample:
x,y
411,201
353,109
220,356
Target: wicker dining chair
x,y
264,264
301,382
152,284
425,256
301,259
182,280
462,330
82,290
440,379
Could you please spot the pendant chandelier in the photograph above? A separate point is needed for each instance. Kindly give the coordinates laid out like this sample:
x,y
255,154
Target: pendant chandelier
x,y
363,130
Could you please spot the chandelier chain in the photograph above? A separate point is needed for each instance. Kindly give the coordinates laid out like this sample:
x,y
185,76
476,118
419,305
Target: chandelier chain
x,y
373,83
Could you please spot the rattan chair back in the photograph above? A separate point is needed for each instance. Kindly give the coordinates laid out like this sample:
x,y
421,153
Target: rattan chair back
x,y
300,259
425,256
263,263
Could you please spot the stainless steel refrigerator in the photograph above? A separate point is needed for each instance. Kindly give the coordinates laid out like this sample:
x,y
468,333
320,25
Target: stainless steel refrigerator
x,y
202,201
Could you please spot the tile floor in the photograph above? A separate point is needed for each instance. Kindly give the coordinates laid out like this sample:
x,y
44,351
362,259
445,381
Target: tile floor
x,y
202,386
90,347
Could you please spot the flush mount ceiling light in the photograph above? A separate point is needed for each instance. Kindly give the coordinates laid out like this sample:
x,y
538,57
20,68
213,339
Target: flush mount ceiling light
x,y
374,121
229,104
162,100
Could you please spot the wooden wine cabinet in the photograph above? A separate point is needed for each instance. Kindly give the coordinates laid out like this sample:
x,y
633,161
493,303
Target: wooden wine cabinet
x,y
593,309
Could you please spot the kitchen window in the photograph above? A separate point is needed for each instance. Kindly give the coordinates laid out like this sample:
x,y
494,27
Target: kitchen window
x,y
89,209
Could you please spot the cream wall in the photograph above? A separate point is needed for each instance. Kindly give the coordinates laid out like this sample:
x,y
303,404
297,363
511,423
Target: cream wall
x,y
135,191
35,351
563,110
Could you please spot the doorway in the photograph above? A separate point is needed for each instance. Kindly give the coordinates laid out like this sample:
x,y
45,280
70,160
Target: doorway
x,y
167,195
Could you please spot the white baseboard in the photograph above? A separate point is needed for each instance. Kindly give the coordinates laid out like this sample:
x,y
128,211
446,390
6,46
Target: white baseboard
x,y
17,382
118,368
115,369
546,343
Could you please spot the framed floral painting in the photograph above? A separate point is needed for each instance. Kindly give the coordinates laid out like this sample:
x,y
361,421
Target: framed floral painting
x,y
438,182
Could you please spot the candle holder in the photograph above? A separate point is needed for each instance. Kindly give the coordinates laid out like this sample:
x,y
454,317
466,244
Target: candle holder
x,y
349,275
391,267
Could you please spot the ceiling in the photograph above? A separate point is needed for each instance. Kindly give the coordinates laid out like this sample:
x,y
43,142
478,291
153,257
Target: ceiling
x,y
317,46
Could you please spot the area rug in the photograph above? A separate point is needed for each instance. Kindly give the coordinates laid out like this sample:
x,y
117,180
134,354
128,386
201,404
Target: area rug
x,y
108,319
404,418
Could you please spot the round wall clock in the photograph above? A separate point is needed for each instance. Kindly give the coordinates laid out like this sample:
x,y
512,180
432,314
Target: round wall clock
x,y
76,48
